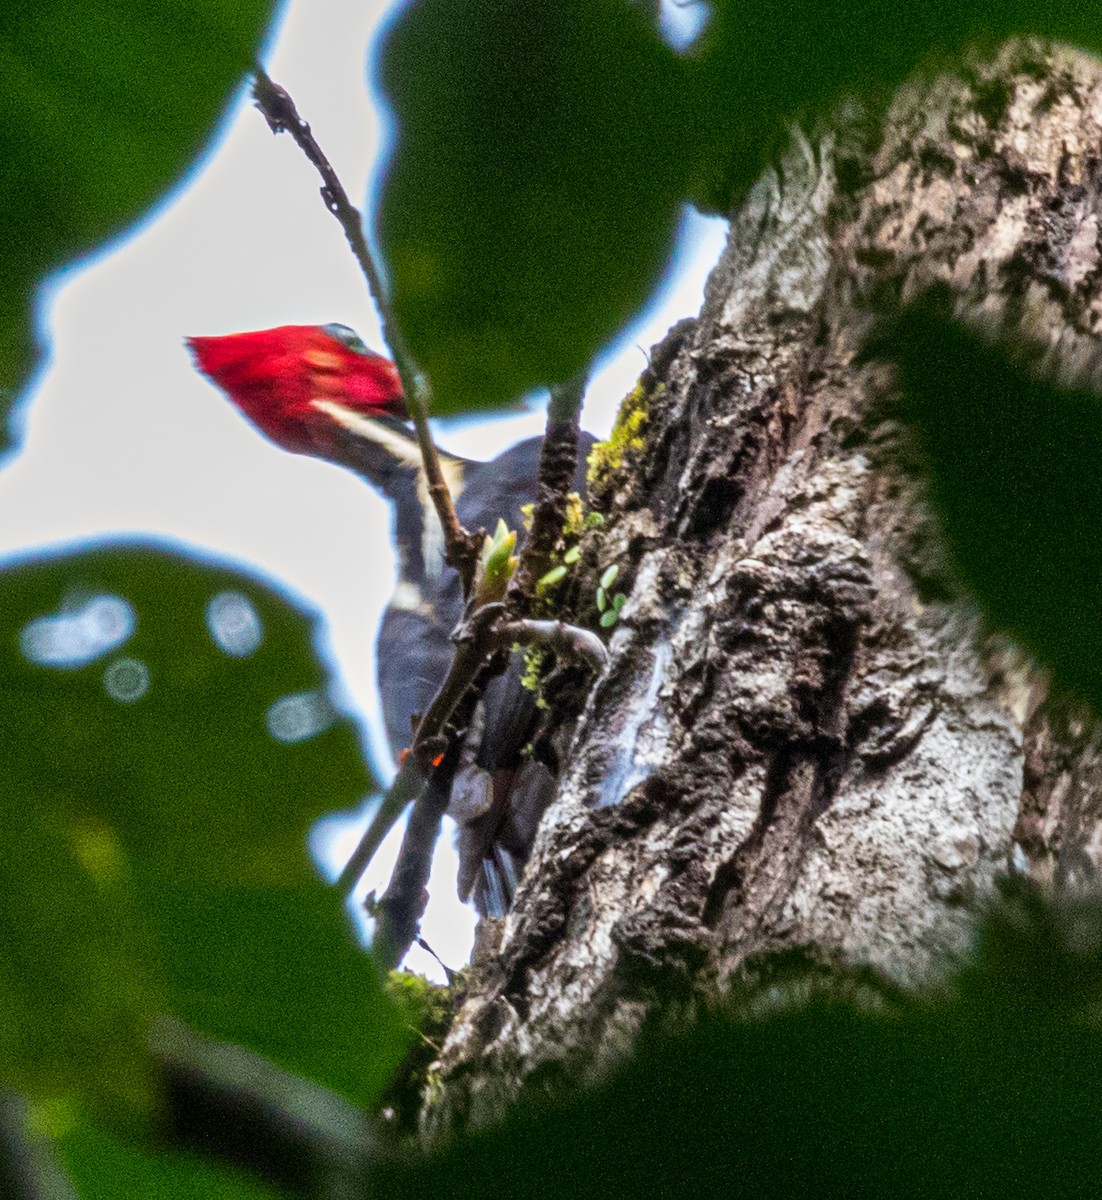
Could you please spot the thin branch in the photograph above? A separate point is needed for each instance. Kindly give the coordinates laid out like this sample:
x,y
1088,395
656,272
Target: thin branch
x,y
278,109
282,116
423,778
558,462
399,910
473,644
475,640
462,546
408,785
566,640
449,974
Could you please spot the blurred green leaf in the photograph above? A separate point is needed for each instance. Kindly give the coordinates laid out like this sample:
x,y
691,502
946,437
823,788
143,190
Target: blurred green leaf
x,y
104,1168
542,153
277,969
840,1087
168,743
1014,472
529,206
104,108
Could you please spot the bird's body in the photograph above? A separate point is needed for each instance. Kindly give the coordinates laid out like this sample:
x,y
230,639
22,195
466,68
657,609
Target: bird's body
x,y
288,382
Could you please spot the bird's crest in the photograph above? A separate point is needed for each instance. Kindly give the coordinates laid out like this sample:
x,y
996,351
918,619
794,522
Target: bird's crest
x,y
277,378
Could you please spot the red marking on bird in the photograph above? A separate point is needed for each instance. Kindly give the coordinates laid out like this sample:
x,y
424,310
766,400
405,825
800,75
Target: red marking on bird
x,y
274,376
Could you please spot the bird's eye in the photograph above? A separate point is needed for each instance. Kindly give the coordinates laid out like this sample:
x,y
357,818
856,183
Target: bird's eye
x,y
347,337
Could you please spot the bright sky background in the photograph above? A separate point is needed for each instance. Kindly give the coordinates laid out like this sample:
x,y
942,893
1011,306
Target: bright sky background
x,y
120,436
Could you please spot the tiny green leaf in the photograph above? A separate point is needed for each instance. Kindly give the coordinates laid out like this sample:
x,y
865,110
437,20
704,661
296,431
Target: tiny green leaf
x,y
602,599
572,555
609,619
609,577
555,576
618,601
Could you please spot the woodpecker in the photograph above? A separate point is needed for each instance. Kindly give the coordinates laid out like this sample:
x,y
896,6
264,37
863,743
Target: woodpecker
x,y
319,390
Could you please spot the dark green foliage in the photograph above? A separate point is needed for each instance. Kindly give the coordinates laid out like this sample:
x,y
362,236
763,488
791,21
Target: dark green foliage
x,y
1013,464
104,107
154,848
761,65
992,1090
106,1168
530,203
543,153
153,858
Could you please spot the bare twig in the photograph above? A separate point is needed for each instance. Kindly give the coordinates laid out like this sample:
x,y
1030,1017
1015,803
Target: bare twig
x,y
407,785
461,546
425,777
566,640
398,911
282,116
448,973
474,641
558,461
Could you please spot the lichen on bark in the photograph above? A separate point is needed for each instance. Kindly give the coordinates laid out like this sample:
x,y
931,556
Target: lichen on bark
x,y
806,739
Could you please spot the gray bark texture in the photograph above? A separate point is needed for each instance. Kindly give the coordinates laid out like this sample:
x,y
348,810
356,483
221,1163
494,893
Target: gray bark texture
x,y
806,739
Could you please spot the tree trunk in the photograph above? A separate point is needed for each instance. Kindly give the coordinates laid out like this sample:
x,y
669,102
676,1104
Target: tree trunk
x,y
806,738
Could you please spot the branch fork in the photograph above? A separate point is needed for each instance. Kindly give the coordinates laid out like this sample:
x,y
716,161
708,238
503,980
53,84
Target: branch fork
x,y
488,626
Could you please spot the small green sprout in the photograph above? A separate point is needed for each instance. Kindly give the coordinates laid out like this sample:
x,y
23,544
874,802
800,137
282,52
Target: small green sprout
x,y
609,606
611,615
553,577
572,555
498,563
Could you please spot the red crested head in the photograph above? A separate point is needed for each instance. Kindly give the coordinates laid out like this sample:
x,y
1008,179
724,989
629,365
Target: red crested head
x,y
277,377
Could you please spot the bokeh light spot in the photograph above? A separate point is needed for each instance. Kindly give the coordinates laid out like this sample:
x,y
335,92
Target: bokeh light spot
x,y
234,624
300,716
126,680
77,636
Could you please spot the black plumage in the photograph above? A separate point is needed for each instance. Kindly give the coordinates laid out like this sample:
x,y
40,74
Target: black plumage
x,y
497,795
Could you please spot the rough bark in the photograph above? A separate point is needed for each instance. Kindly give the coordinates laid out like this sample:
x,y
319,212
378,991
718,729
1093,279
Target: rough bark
x,y
806,738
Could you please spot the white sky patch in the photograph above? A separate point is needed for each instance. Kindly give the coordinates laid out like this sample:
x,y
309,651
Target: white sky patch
x,y
120,435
